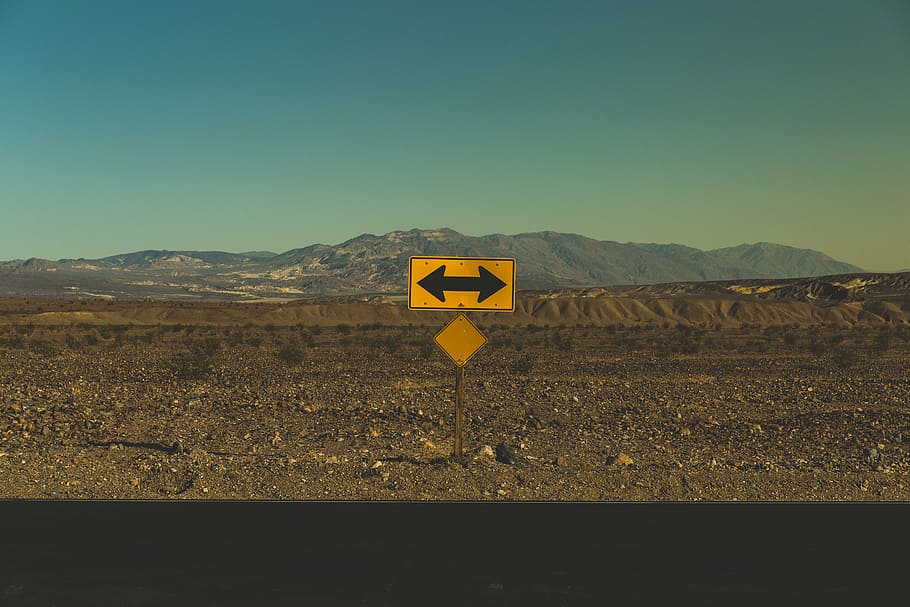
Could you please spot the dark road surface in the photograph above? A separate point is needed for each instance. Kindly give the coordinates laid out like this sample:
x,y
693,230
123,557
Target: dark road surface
x,y
293,553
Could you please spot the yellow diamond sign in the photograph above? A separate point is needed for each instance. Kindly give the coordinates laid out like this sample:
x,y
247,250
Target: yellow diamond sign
x,y
460,340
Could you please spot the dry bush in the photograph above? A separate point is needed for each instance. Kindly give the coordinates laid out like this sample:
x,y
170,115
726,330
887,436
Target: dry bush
x,y
291,354
43,347
523,364
196,361
563,341
883,340
844,357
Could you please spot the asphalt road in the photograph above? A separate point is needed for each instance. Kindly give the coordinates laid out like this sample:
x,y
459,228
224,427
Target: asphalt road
x,y
276,553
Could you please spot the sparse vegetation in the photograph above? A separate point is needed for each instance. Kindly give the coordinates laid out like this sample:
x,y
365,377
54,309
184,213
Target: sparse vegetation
x,y
196,361
883,340
563,341
291,354
845,357
43,347
523,363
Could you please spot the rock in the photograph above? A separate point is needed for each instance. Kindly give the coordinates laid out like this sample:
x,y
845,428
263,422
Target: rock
x,y
574,399
485,451
873,457
621,459
331,459
562,461
429,445
177,448
199,455
505,454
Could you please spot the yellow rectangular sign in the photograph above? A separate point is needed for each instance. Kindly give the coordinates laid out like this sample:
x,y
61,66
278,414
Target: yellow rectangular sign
x,y
461,283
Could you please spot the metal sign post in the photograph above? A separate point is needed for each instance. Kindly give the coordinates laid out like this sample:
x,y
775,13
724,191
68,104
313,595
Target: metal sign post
x,y
459,409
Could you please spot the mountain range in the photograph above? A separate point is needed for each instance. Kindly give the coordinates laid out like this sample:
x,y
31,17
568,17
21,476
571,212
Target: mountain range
x,y
370,264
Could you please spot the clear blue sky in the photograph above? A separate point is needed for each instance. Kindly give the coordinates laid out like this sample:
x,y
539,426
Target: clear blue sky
x,y
271,125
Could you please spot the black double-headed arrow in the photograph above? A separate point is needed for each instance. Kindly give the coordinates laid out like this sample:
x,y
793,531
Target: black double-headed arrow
x,y
437,283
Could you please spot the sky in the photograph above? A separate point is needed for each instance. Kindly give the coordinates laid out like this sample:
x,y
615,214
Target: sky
x,y
259,125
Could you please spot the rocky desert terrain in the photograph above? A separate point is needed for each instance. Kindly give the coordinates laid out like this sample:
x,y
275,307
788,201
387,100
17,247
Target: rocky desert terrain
x,y
575,397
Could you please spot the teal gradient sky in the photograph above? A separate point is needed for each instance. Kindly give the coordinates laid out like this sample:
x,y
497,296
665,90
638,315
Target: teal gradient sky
x,y
273,125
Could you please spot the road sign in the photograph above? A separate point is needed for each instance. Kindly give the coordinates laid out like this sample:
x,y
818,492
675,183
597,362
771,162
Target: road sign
x,y
461,283
460,340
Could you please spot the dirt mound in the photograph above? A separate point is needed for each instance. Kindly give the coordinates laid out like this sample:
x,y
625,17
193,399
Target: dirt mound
x,y
585,308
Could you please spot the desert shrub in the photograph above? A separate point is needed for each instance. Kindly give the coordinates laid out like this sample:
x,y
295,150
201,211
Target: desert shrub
x,y
291,355
425,350
196,361
844,357
758,346
817,347
43,347
563,341
212,345
72,342
835,340
686,340
503,341
16,342
882,341
522,364
389,343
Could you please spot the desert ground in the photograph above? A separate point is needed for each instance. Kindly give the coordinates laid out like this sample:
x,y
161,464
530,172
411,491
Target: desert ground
x,y
337,400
